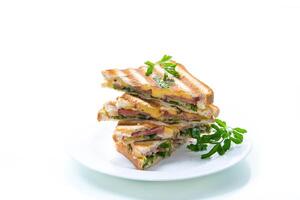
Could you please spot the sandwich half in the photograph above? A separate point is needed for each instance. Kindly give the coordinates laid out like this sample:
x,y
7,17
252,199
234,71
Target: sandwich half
x,y
132,107
147,142
186,92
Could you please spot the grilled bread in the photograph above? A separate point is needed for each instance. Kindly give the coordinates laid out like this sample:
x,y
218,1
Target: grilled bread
x,y
186,92
132,107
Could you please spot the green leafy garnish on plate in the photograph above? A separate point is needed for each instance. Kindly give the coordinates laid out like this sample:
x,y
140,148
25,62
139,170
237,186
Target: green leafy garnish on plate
x,y
221,139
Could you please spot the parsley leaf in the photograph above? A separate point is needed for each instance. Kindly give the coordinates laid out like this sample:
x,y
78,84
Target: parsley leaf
x,y
221,123
211,152
235,140
220,150
238,135
150,67
169,65
240,130
170,68
227,144
165,58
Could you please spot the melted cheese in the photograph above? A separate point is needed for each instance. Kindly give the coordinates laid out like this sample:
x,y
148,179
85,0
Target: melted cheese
x,y
161,92
127,130
152,111
155,111
168,133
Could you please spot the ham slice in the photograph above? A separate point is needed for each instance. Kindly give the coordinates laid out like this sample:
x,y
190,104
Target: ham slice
x,y
151,131
127,112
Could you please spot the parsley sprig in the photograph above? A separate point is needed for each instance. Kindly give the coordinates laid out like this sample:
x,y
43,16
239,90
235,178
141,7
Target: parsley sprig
x,y
221,138
165,63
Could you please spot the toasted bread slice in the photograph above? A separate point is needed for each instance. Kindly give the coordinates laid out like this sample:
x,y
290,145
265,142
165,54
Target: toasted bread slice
x,y
132,107
187,91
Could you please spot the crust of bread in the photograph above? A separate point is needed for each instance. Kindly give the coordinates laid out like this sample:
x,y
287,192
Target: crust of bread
x,y
123,149
194,84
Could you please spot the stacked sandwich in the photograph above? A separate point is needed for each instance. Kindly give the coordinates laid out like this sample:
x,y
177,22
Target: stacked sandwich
x,y
162,103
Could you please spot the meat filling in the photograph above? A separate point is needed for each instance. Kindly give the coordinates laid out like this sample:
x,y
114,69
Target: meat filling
x,y
155,130
127,112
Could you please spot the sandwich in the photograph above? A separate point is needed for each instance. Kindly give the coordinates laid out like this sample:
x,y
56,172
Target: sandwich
x,y
163,107
185,92
131,107
146,142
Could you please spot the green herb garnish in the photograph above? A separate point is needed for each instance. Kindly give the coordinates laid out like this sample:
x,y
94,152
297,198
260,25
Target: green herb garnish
x,y
221,138
165,58
163,83
170,68
165,145
165,63
150,67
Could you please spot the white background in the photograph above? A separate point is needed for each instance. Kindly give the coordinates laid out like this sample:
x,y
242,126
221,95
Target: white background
x,y
51,55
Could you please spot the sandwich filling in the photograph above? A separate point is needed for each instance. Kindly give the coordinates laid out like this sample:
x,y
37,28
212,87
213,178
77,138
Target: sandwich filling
x,y
192,104
134,133
131,107
150,152
145,131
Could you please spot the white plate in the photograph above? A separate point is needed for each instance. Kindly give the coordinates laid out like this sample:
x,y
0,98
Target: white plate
x,y
95,149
